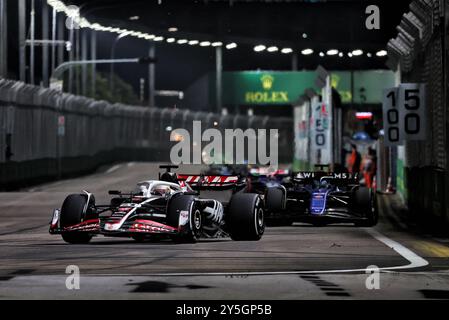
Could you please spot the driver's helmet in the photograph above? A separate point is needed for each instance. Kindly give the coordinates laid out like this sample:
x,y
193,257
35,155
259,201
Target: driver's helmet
x,y
324,183
161,190
169,177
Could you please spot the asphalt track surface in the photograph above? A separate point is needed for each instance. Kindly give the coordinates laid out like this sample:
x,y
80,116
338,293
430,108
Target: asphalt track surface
x,y
296,262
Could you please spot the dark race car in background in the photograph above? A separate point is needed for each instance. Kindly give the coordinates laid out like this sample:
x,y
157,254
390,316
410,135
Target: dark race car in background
x,y
320,198
181,207
259,179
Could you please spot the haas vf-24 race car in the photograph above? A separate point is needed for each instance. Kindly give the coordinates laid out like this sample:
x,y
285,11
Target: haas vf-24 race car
x,y
181,207
322,197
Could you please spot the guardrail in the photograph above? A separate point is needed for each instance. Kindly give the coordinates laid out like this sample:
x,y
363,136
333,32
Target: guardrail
x,y
45,133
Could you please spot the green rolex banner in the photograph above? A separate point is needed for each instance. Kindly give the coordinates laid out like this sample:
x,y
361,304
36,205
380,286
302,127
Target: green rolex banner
x,y
285,87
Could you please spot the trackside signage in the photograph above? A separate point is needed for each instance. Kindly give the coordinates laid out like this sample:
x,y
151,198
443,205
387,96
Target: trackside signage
x,y
285,87
301,130
320,126
267,94
412,111
404,113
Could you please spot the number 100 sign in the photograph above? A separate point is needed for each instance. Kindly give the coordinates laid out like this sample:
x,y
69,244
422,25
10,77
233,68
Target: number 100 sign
x,y
404,113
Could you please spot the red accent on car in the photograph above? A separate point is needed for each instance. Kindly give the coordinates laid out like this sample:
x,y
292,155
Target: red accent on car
x,y
137,199
150,227
88,225
208,180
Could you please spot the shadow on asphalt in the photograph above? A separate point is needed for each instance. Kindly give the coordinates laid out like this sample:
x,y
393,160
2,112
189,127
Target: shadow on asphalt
x,y
145,243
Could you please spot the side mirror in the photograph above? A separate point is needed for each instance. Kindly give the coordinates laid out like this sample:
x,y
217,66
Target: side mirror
x,y
114,192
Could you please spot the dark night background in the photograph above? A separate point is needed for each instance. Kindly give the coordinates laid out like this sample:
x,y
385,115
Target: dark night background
x,y
328,25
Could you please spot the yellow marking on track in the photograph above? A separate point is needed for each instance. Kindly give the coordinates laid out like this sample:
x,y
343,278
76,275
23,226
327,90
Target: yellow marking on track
x,y
432,249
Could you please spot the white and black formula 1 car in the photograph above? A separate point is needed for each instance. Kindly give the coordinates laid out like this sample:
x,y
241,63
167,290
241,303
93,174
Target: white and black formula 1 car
x,y
320,198
181,207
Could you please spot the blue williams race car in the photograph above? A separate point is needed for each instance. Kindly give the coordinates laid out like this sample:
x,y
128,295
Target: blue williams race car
x,y
320,198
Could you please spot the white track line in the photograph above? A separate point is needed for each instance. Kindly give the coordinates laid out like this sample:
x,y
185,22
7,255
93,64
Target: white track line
x,y
113,168
415,261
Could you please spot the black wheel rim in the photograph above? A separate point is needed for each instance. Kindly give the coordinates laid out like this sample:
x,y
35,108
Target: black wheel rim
x,y
197,220
259,221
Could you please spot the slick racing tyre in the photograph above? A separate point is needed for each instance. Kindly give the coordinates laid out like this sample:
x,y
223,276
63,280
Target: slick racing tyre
x,y
193,228
72,213
76,237
246,217
365,203
274,199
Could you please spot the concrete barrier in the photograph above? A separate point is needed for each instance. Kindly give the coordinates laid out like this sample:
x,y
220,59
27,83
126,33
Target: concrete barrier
x,y
45,134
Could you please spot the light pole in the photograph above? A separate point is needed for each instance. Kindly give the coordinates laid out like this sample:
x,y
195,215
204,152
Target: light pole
x,y
45,32
84,67
111,75
53,38
93,56
60,37
219,79
294,62
22,39
151,76
3,40
71,53
32,34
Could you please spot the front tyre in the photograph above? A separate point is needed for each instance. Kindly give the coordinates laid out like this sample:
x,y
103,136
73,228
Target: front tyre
x,y
246,217
72,213
76,237
190,229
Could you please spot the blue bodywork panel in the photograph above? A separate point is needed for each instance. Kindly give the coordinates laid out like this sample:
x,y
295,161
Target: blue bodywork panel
x,y
318,202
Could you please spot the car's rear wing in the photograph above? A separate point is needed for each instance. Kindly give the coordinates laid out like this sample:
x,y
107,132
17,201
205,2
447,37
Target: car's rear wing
x,y
266,171
207,181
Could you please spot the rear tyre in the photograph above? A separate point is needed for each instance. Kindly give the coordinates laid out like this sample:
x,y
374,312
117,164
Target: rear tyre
x,y
192,230
72,213
365,203
274,199
246,217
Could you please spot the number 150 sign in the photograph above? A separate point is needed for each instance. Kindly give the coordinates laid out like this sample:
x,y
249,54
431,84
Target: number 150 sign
x,y
404,113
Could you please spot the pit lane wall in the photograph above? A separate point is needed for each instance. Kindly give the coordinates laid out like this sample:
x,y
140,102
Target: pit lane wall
x,y
420,54
46,134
